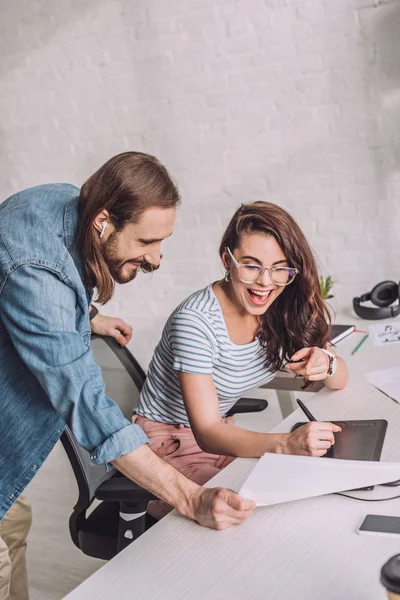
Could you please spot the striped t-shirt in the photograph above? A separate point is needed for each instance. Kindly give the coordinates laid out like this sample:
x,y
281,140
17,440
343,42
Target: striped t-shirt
x,y
195,340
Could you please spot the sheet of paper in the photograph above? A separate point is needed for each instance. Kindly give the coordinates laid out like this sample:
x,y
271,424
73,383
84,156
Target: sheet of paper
x,y
280,478
385,333
386,380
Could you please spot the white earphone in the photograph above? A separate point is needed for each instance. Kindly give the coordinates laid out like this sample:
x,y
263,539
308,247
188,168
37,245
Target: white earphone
x,y
103,228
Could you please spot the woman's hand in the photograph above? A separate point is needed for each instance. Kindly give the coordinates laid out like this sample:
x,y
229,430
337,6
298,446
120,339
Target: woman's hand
x,y
311,363
312,439
116,328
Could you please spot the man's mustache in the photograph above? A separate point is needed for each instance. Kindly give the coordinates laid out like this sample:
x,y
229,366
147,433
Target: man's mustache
x,y
147,267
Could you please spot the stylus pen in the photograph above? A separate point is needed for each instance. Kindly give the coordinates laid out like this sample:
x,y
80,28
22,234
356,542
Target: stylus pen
x,y
305,410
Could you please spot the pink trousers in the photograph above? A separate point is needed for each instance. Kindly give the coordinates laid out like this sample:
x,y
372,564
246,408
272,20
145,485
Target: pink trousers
x,y
177,445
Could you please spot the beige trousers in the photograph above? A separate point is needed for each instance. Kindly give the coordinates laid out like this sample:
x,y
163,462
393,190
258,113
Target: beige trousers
x,y
14,529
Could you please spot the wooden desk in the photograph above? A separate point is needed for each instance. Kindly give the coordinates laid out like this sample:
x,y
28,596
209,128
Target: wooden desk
x,y
304,550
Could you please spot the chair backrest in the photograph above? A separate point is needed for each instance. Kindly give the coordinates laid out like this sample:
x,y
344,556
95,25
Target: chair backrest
x,y
123,378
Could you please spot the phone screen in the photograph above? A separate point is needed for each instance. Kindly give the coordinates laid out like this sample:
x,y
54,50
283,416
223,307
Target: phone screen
x,y
380,524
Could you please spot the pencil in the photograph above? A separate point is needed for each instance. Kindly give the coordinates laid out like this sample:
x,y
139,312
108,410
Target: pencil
x,y
364,339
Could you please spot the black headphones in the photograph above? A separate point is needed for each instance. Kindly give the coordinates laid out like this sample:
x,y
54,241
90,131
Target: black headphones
x,y
382,295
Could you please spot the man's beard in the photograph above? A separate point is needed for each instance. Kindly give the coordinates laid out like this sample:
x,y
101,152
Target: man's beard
x,y
116,265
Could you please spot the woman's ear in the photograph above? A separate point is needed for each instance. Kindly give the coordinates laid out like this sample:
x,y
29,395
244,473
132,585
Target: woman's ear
x,y
226,260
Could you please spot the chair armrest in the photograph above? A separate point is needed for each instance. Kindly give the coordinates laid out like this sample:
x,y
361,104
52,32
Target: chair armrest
x,y
122,489
288,383
247,405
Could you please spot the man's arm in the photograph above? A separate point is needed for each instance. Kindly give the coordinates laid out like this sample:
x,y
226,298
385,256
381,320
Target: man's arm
x,y
38,311
218,508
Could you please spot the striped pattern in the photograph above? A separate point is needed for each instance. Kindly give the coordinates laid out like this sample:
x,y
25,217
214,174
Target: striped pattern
x,y
195,340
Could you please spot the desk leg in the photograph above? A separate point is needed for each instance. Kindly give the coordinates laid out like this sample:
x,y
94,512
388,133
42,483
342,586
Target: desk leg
x,y
287,402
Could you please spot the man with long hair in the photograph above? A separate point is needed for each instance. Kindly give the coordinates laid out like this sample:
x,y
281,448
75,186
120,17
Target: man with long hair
x,y
58,244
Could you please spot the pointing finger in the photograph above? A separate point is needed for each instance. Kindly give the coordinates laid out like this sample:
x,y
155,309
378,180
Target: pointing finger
x,y
301,354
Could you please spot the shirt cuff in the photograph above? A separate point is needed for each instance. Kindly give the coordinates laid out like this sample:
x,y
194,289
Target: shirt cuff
x,y
118,444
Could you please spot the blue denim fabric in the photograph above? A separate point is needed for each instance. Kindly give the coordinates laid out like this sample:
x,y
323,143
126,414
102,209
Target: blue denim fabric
x,y
48,377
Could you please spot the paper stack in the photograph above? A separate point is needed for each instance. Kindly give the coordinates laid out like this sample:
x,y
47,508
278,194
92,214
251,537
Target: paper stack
x,y
280,478
386,380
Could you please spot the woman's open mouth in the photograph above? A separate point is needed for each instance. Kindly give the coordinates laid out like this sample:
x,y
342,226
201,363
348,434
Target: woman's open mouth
x,y
258,297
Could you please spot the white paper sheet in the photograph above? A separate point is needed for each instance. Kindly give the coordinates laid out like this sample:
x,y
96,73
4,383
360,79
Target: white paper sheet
x,y
385,333
386,380
280,478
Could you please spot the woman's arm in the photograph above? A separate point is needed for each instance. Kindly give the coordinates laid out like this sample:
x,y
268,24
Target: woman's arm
x,y
313,365
340,379
216,437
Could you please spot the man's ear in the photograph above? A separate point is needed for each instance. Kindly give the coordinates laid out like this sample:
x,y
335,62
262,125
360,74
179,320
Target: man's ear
x,y
101,221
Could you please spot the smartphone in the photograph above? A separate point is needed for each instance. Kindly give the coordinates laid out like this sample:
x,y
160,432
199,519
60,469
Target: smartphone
x,y
380,524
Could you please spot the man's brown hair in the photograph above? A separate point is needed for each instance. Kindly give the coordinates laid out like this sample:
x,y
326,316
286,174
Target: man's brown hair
x,y
126,186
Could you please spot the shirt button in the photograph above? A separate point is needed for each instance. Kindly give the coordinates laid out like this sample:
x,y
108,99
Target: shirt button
x,y
59,431
34,467
11,496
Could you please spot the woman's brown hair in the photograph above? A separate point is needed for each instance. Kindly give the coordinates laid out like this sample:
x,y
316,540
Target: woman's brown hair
x,y
125,186
299,317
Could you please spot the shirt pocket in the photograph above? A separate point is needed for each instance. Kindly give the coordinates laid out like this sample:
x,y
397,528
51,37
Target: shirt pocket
x,y
86,335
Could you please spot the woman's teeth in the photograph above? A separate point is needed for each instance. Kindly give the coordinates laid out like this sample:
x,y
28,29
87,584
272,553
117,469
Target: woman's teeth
x,y
258,297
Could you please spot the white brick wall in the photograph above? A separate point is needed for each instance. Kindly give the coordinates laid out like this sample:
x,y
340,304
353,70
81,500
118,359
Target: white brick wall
x,y
293,101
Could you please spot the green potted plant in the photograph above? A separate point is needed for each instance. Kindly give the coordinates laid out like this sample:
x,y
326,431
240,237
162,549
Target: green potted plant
x,y
326,284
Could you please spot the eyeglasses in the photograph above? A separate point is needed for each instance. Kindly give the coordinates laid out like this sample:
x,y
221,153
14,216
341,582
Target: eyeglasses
x,y
252,273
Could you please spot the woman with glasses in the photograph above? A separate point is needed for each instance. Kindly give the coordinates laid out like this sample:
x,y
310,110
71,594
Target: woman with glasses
x,y
234,335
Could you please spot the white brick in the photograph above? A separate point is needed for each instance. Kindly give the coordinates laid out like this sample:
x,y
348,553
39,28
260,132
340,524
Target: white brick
x,y
292,101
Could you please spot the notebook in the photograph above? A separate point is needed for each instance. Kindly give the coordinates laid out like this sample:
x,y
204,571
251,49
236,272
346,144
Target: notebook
x,y
339,332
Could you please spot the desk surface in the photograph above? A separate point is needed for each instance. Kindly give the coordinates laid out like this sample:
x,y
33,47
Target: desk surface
x,y
306,550
369,357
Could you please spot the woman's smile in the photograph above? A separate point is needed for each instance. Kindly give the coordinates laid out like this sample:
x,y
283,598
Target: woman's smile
x,y
259,297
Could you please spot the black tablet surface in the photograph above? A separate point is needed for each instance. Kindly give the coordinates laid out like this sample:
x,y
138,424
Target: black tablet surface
x,y
358,440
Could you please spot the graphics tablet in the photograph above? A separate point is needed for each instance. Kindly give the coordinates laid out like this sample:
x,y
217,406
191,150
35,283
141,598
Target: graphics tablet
x,y
358,440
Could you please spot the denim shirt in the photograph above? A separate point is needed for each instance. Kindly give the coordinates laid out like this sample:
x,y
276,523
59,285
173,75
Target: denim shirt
x,y
48,377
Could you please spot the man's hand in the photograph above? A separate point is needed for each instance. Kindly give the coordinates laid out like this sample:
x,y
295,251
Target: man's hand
x,y
220,508
116,328
217,508
311,363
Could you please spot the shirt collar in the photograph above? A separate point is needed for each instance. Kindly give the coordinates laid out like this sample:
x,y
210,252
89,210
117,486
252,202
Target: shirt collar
x,y
71,216
70,221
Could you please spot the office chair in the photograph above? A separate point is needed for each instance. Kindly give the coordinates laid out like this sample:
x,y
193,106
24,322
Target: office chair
x,y
120,518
